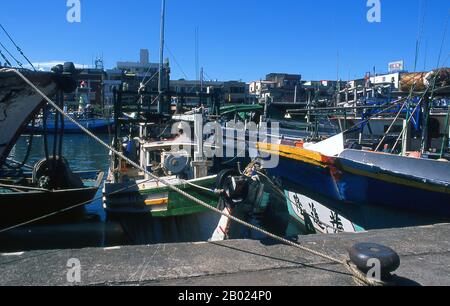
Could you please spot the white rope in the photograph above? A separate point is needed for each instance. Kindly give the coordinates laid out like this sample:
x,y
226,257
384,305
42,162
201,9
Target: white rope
x,y
200,187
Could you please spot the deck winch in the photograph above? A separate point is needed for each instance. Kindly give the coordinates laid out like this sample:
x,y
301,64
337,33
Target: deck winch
x,y
176,163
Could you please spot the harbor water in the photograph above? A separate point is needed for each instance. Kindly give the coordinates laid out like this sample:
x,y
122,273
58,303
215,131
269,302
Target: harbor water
x,y
95,229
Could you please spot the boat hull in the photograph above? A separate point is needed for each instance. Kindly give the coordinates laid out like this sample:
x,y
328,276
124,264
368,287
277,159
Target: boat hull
x,y
318,214
407,184
329,191
312,171
18,103
158,201
364,189
93,125
19,207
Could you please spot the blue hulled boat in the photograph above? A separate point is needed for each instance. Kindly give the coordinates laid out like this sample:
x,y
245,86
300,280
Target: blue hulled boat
x,y
85,116
360,190
405,183
97,125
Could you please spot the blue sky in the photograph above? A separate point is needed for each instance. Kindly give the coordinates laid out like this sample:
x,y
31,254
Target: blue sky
x,y
239,39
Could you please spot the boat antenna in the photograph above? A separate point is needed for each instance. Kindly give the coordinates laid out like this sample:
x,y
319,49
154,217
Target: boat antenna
x,y
443,40
161,57
197,75
426,55
17,47
420,30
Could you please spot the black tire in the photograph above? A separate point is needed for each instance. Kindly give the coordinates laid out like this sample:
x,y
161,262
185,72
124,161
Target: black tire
x,y
223,175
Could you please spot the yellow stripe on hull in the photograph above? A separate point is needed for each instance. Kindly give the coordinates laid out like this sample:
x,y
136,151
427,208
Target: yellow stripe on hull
x,y
295,153
397,180
154,202
317,159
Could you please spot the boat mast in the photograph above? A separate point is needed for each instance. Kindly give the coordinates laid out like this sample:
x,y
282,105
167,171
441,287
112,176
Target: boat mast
x,y
161,60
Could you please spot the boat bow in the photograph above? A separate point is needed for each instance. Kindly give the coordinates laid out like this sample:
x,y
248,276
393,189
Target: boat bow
x,y
19,102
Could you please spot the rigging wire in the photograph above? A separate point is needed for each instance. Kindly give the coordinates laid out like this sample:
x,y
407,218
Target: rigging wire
x,y
12,56
210,78
17,47
176,62
425,93
146,73
7,62
391,126
151,79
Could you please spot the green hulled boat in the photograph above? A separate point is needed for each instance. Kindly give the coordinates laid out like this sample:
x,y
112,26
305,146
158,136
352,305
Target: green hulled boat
x,y
153,198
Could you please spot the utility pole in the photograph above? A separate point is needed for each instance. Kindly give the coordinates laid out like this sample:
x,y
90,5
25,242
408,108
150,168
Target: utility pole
x,y
197,76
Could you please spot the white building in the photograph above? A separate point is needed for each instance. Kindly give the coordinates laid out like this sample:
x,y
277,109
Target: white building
x,y
387,79
141,67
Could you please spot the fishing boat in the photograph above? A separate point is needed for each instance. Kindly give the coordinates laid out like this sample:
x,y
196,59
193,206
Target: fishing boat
x,y
50,186
85,116
359,190
90,122
128,191
23,200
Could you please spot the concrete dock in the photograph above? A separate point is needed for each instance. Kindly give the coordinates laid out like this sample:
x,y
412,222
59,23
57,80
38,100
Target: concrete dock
x,y
424,252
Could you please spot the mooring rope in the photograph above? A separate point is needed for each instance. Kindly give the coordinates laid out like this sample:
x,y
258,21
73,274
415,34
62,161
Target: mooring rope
x,y
362,278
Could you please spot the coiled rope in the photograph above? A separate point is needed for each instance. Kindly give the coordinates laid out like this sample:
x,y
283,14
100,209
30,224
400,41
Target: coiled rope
x,y
359,276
